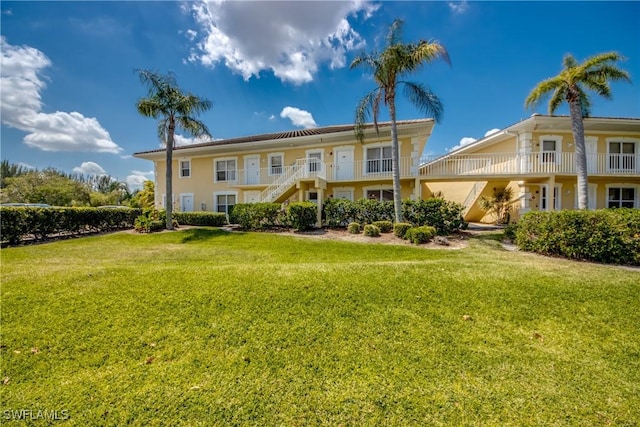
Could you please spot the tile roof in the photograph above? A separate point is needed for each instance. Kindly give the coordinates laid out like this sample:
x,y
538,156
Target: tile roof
x,y
288,134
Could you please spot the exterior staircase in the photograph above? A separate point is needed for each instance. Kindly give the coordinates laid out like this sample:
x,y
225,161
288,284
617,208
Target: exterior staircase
x,y
473,196
283,186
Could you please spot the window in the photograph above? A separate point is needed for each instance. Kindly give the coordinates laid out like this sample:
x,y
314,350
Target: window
x,y
544,199
379,159
622,155
621,197
185,168
380,195
312,196
225,170
276,162
225,202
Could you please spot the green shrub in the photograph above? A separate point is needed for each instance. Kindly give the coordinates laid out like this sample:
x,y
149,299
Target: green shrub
x,y
510,231
370,210
353,228
419,235
41,223
257,216
400,229
338,212
371,230
384,226
302,215
207,219
444,215
608,235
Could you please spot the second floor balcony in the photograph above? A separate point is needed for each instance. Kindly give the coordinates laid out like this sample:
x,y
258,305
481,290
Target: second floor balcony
x,y
462,166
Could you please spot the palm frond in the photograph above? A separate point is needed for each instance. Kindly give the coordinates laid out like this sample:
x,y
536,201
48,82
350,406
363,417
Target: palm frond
x,y
557,98
193,127
569,61
149,107
367,106
424,99
394,36
601,59
428,52
542,90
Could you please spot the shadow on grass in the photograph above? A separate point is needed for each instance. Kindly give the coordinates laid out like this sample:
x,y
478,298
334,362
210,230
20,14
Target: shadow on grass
x,y
202,234
492,240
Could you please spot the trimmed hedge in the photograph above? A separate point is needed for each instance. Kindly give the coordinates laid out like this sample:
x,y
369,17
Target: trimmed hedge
x,y
437,212
257,216
353,228
400,229
384,226
371,230
207,219
420,234
302,215
609,236
341,212
41,223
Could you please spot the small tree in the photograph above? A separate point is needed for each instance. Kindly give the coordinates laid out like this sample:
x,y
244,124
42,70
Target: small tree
x,y
499,204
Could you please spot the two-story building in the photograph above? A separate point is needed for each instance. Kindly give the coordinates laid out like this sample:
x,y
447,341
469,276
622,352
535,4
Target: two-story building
x,y
300,165
535,157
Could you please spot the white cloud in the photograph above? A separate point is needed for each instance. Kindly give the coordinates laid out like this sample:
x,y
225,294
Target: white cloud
x,y
90,168
180,140
291,39
460,6
191,34
464,141
298,117
272,117
491,131
137,178
26,165
21,106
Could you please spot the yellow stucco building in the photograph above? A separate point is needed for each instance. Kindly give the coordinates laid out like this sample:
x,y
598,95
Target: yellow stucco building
x,y
536,157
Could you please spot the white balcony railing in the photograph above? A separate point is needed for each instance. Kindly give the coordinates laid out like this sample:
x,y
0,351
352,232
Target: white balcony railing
x,y
468,165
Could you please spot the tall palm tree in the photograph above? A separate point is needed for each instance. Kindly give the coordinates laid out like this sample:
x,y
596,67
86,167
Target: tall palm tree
x,y
175,109
571,85
389,68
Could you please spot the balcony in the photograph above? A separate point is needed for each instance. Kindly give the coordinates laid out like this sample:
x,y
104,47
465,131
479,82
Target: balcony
x,y
448,166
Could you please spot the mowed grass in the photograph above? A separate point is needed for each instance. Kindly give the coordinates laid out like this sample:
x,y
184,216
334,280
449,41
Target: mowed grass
x,y
204,327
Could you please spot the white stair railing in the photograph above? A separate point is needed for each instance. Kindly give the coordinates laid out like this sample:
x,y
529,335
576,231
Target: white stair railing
x,y
284,182
473,196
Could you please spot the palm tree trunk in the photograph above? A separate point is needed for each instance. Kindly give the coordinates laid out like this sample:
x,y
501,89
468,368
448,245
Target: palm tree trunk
x,y
169,174
577,126
395,162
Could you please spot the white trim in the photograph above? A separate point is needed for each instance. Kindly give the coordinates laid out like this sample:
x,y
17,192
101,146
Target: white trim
x,y
636,154
270,157
215,169
380,188
382,146
319,167
182,195
307,195
180,160
251,180
248,195
556,197
592,190
223,193
636,200
558,145
350,174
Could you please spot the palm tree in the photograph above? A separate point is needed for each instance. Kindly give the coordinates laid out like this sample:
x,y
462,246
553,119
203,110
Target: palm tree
x,y
175,109
570,85
389,67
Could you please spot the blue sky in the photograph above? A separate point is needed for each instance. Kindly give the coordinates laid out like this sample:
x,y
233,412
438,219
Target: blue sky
x,y
69,88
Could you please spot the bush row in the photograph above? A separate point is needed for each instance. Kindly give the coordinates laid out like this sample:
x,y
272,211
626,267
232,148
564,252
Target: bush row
x,y
207,219
262,216
19,222
437,212
608,235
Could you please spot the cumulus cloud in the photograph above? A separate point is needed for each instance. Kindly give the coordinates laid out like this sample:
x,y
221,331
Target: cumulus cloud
x,y
491,131
137,178
291,39
180,140
90,168
298,117
458,6
464,141
21,105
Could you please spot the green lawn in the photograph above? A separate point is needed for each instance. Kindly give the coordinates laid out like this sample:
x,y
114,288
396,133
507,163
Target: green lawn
x,y
203,327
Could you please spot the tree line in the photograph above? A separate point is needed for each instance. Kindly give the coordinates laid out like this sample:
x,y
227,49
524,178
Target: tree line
x,y
19,184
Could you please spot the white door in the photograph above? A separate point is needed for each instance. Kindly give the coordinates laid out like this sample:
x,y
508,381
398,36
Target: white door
x,y
251,196
186,202
344,164
252,170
